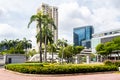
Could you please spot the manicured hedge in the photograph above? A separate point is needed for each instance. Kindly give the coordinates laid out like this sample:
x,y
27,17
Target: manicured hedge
x,y
38,68
32,62
112,62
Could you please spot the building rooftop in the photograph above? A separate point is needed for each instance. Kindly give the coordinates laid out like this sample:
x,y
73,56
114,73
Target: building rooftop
x,y
105,36
83,27
105,33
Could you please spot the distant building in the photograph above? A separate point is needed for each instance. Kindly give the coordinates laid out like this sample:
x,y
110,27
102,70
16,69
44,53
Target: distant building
x,y
103,37
82,36
14,58
52,11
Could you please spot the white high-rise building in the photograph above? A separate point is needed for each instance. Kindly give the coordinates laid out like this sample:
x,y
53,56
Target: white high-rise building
x,y
52,11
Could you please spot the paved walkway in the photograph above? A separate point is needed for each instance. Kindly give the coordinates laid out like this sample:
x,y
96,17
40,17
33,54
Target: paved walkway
x,y
8,75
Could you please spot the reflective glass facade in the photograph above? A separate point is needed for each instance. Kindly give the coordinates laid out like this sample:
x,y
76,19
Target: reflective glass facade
x,y
94,43
82,36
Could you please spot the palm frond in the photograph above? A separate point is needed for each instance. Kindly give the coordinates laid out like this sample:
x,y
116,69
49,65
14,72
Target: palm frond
x,y
33,18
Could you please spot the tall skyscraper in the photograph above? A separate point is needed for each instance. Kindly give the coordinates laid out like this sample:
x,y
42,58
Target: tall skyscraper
x,y
82,36
52,11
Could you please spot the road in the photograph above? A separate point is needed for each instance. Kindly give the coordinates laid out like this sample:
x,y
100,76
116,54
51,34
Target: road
x,y
9,75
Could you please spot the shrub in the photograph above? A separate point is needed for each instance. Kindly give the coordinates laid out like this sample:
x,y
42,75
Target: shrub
x,y
117,63
32,62
37,62
39,68
110,62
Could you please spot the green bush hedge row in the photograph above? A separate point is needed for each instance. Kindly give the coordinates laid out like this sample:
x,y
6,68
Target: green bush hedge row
x,y
112,62
32,62
58,69
48,62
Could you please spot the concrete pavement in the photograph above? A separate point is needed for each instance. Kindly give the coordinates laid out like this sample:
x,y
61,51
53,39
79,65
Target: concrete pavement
x,y
9,75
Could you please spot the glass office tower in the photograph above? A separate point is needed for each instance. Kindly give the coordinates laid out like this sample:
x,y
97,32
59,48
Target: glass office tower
x,y
82,36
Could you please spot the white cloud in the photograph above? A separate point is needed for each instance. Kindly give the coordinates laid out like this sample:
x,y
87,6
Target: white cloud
x,y
85,12
105,19
3,12
72,15
103,15
6,31
9,32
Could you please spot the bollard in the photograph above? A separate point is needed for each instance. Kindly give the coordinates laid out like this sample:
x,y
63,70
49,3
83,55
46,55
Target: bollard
x,y
119,68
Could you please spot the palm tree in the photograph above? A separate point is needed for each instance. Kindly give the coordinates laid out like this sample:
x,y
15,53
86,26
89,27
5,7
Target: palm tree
x,y
47,37
10,44
26,43
41,19
19,46
48,22
6,44
46,34
14,43
62,43
38,17
2,45
52,48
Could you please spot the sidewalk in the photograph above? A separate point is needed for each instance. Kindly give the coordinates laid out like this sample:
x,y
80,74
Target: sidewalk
x,y
8,75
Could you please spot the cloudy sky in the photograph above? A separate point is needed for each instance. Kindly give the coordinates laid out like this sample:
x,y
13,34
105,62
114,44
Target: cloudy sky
x,y
15,14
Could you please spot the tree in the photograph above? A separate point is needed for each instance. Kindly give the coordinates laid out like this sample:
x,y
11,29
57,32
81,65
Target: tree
x,y
77,49
39,18
48,22
101,50
68,53
100,47
116,47
13,46
104,49
62,43
109,47
52,48
31,53
26,44
43,23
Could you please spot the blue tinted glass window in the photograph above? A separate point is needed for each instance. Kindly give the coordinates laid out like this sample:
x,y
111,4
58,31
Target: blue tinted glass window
x,y
82,34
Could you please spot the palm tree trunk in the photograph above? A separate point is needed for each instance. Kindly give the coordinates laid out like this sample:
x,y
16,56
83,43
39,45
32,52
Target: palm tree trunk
x,y
45,51
40,47
118,55
62,55
52,57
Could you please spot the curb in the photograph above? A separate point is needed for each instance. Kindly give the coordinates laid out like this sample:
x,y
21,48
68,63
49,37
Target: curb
x,y
58,75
